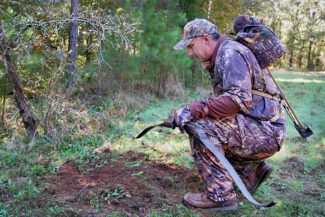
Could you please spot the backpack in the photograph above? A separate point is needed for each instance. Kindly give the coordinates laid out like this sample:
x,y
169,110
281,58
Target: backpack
x,y
260,39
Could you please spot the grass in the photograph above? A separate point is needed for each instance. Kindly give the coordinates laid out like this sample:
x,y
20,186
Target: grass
x,y
297,184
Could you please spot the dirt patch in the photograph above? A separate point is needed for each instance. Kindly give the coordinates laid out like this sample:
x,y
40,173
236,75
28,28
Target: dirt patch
x,y
294,164
129,184
292,168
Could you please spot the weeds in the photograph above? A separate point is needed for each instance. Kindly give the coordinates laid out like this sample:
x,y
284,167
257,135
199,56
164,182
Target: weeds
x,y
113,193
18,195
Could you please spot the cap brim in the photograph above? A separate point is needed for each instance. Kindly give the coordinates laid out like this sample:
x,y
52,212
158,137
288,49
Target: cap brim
x,y
182,44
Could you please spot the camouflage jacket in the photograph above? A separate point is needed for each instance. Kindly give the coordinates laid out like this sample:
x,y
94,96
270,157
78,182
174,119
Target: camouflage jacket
x,y
236,73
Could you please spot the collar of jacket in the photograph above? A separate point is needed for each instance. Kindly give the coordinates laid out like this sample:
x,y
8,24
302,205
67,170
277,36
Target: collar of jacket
x,y
209,65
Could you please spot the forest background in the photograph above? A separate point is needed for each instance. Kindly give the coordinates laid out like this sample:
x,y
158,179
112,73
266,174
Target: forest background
x,y
73,73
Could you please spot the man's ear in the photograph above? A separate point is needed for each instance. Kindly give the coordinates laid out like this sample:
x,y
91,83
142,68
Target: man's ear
x,y
205,37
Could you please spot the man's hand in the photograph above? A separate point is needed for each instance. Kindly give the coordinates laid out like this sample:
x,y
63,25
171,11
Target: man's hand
x,y
181,117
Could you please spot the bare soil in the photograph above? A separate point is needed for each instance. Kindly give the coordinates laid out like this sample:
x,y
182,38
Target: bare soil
x,y
134,189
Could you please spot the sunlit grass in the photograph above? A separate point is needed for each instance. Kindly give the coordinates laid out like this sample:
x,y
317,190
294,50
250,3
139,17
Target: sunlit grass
x,y
300,80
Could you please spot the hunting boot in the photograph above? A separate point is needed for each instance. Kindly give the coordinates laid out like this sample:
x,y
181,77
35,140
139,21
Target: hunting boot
x,y
200,200
259,175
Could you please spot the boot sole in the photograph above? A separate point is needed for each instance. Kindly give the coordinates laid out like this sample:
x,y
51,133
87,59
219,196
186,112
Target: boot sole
x,y
262,178
219,209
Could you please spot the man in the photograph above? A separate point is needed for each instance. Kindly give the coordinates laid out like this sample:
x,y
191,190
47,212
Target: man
x,y
243,119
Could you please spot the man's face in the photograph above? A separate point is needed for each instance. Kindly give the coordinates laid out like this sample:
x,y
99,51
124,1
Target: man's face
x,y
198,49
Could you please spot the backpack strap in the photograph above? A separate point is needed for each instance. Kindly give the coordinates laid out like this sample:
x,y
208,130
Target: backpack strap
x,y
267,95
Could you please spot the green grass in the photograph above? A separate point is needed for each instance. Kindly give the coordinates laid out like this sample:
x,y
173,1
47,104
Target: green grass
x,y
298,181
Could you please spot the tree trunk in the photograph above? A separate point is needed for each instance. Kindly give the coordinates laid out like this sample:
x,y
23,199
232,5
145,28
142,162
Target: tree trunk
x,y
280,36
209,9
301,55
3,109
309,61
88,44
290,59
13,77
72,53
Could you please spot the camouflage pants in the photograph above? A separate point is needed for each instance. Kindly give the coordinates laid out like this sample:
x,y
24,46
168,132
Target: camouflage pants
x,y
244,151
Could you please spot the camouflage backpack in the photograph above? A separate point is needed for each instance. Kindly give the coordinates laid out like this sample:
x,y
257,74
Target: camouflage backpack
x,y
260,39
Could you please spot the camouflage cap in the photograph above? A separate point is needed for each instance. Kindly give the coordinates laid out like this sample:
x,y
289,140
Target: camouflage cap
x,y
193,29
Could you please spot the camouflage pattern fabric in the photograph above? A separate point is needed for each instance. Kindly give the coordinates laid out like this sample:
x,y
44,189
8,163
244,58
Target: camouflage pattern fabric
x,y
248,137
225,135
260,39
236,73
195,28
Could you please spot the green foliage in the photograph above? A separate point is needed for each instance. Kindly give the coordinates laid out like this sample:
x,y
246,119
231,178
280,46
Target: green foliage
x,y
299,26
193,9
112,193
133,164
21,192
160,34
223,13
4,85
9,159
113,98
37,170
